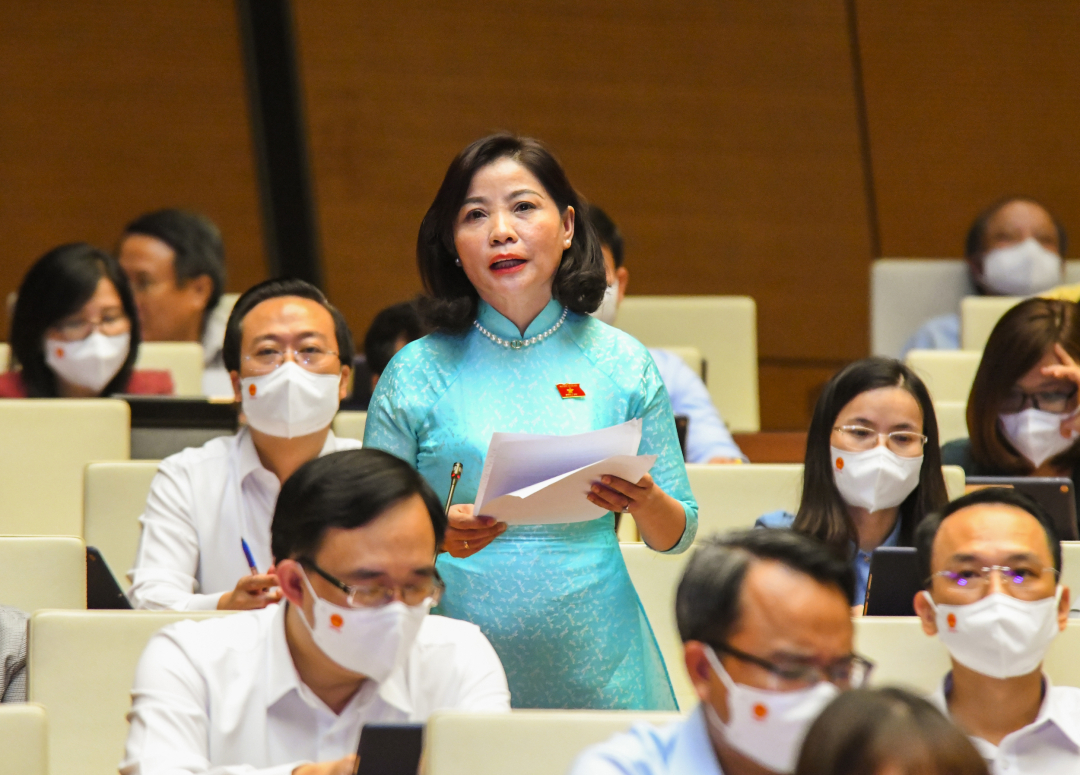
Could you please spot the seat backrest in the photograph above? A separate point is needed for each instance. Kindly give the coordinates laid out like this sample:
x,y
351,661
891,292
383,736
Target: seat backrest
x,y
115,498
23,739
692,357
43,572
350,425
522,742
45,443
722,328
951,420
656,577
81,668
948,374
184,360
731,497
955,481
5,356
1070,570
979,315
1072,271
906,292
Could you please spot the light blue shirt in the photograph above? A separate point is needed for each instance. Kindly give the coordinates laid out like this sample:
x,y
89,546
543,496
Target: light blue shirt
x,y
706,436
680,748
860,563
940,333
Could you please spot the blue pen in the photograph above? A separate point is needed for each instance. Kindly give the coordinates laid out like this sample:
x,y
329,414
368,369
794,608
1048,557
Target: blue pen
x,y
250,559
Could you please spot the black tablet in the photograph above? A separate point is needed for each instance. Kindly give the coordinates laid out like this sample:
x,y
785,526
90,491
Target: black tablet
x,y
894,582
102,589
1055,494
390,749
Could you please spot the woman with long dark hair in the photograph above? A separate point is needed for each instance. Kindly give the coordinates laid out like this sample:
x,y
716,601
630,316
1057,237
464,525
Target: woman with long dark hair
x,y
75,331
512,274
873,464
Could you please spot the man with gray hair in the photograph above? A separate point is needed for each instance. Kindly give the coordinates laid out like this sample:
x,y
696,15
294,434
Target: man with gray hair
x,y
767,640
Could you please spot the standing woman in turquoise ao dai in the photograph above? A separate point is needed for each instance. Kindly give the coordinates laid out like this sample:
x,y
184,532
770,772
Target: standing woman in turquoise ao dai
x,y
512,269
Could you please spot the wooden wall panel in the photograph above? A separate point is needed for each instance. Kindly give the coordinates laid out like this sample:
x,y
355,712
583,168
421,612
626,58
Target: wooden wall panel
x,y
968,101
721,136
113,108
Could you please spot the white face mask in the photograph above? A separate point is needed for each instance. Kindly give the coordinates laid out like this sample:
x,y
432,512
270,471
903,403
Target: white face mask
x,y
1037,434
90,363
1023,269
369,641
875,479
290,401
998,636
609,307
767,726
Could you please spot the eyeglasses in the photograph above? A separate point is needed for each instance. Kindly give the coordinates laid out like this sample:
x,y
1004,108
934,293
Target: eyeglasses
x,y
310,357
904,443
110,324
377,594
1021,581
1056,401
851,671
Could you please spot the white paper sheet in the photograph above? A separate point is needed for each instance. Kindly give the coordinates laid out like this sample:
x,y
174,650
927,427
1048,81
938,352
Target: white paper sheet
x,y
532,466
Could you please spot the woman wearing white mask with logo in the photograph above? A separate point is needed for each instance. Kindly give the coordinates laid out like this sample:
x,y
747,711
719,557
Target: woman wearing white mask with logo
x,y
75,331
1021,412
1013,248
287,350
873,465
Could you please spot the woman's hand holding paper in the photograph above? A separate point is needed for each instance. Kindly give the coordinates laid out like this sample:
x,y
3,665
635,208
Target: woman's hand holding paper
x,y
659,517
468,534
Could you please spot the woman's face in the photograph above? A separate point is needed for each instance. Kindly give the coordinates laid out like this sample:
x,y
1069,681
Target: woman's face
x,y
882,410
1041,391
103,311
510,235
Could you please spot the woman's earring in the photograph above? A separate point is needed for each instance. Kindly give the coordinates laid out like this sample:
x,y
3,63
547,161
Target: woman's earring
x,y
457,261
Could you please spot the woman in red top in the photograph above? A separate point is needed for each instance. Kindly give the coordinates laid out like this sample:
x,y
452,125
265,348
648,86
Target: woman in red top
x,y
75,331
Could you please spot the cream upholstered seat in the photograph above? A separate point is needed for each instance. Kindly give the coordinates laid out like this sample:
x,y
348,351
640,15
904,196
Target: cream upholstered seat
x,y
5,356
979,315
81,668
42,572
350,425
24,732
115,498
722,328
951,420
45,443
184,360
691,356
731,497
656,578
522,742
948,374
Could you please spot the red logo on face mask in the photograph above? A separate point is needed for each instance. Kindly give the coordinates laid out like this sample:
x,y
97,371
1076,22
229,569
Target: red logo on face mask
x,y
336,621
951,621
839,464
760,712
59,352
251,390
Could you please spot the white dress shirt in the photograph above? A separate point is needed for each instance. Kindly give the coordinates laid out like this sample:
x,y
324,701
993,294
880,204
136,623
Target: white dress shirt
x,y
222,696
1050,745
202,502
680,748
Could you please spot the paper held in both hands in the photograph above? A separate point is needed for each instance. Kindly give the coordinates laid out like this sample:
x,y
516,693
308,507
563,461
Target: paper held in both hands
x,y
530,479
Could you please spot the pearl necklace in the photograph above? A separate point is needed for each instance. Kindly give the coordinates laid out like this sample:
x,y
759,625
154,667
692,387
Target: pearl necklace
x,y
517,344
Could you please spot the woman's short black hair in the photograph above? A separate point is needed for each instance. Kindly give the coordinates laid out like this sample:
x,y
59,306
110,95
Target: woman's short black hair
x,y
398,321
272,289
580,280
196,244
822,511
58,285
708,600
871,731
345,489
1001,496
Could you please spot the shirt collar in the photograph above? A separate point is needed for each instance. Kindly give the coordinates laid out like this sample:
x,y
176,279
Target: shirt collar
x,y
693,751
249,456
494,321
283,677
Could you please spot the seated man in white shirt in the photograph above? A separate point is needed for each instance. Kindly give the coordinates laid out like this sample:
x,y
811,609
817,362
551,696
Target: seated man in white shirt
x,y
992,560
767,638
707,437
175,262
288,689
289,354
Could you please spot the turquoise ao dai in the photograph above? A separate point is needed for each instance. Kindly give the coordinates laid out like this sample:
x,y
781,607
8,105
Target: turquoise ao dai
x,y
555,600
